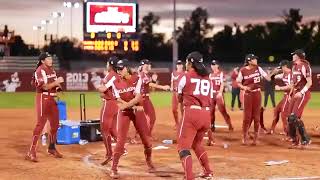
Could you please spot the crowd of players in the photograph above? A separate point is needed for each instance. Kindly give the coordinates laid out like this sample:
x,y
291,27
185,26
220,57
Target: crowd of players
x,y
195,93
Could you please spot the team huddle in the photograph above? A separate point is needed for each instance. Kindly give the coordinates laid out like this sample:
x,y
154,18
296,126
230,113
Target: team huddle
x,y
195,93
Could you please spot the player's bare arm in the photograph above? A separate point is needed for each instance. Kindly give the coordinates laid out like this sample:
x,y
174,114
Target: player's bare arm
x,y
305,89
56,83
157,86
131,103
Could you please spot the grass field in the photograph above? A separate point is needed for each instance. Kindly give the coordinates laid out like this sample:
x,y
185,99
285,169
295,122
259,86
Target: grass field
x,y
160,99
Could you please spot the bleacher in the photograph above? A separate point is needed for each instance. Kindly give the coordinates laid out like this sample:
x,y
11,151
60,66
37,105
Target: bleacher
x,y
22,63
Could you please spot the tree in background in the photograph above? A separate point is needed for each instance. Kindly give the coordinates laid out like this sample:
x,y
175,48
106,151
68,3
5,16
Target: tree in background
x,y
192,35
152,44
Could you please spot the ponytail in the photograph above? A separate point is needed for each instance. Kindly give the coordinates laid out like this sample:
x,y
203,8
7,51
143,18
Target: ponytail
x,y
200,68
39,63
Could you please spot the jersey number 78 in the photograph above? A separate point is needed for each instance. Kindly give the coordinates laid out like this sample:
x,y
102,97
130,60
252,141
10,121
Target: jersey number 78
x,y
202,86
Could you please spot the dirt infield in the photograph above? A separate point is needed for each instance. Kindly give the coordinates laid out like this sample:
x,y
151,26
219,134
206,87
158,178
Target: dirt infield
x,y
233,162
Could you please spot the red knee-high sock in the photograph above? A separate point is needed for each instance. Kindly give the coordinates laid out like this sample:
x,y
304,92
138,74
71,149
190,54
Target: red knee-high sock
x,y
204,161
115,161
187,165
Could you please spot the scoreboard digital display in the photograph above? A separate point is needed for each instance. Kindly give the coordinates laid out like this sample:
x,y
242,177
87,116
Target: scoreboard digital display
x,y
110,26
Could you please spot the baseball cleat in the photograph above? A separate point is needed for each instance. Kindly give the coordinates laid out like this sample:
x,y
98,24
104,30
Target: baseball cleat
x,y
125,152
207,176
210,143
114,174
305,144
54,153
245,142
105,162
31,157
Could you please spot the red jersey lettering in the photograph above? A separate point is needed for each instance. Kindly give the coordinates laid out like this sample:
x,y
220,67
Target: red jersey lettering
x,y
127,89
108,82
45,75
251,77
175,78
286,79
216,79
300,73
196,90
146,79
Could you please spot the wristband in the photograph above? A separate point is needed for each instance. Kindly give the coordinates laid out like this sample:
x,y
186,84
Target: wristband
x,y
304,90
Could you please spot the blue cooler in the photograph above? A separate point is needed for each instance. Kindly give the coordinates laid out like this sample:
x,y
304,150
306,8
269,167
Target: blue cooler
x,y
62,107
68,132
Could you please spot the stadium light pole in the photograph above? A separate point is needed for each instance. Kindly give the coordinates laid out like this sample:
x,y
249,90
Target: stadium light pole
x,y
38,29
71,5
57,15
174,37
46,22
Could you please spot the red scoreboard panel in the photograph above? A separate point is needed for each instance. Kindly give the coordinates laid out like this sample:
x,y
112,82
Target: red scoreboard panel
x,y
110,26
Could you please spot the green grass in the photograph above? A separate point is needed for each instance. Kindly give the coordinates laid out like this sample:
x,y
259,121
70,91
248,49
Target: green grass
x,y
159,99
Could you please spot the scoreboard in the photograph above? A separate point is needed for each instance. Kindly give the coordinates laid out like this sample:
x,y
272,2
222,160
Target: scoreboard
x,y
110,26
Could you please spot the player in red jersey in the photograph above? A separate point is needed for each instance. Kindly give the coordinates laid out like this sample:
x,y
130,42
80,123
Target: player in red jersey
x,y
249,80
299,96
127,89
175,78
195,90
47,83
283,105
217,80
109,110
145,67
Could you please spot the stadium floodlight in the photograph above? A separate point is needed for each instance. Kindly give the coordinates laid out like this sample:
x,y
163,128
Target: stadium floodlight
x,y
71,5
57,16
38,29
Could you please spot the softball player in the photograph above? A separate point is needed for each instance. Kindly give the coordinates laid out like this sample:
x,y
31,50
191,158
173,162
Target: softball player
x,y
127,89
145,67
217,80
249,80
195,89
47,83
300,91
175,105
109,109
282,107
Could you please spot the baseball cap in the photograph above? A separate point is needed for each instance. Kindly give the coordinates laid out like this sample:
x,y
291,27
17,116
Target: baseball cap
x,y
144,61
113,60
122,63
299,52
179,62
250,57
43,56
195,56
215,62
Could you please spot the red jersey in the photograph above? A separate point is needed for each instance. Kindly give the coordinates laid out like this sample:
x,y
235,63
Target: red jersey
x,y
234,76
108,82
196,90
175,78
216,80
126,89
300,73
45,75
251,77
146,79
286,79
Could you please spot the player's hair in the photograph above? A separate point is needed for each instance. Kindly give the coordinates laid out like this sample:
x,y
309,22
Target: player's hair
x,y
200,68
39,63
